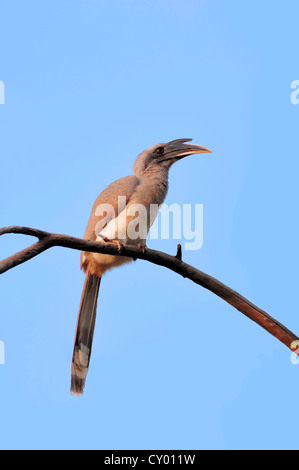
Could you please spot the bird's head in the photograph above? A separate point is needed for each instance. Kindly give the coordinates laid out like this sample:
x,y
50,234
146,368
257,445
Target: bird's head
x,y
165,155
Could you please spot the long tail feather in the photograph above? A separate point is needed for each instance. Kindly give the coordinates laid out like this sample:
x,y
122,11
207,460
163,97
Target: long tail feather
x,y
84,333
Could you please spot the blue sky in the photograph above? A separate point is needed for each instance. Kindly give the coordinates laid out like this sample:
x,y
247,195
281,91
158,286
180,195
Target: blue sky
x,y
89,84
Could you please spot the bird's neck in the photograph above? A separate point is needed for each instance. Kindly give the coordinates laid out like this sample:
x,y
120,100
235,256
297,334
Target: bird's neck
x,y
155,179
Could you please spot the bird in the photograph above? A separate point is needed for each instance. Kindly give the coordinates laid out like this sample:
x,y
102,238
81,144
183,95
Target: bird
x,y
112,213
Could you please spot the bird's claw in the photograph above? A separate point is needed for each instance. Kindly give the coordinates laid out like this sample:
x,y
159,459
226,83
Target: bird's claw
x,y
120,245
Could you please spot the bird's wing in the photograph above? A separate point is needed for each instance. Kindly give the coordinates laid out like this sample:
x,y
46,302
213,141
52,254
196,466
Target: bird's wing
x,y
109,204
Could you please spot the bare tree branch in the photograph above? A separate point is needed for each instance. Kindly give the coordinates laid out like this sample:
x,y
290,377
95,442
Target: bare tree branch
x,y
48,240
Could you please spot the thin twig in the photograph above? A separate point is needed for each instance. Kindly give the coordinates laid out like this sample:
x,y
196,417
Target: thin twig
x,y
179,253
48,240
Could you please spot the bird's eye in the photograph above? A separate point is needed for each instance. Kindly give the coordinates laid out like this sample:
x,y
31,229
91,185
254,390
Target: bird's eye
x,y
160,150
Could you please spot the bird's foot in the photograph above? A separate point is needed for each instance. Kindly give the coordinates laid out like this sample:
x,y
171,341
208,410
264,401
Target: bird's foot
x,y
120,245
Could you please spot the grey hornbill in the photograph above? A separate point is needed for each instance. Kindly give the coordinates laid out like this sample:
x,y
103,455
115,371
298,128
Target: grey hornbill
x,y
113,211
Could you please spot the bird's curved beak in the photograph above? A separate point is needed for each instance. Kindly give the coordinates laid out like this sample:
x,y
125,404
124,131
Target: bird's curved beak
x,y
179,149
186,150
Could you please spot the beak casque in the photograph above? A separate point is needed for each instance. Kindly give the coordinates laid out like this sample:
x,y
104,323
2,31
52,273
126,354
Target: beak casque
x,y
179,149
